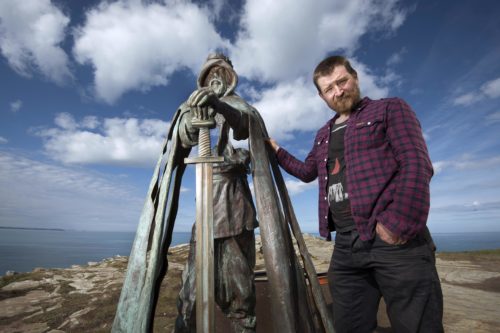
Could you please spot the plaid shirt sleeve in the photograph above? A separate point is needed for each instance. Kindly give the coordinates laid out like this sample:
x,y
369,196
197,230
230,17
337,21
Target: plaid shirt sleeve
x,y
306,171
406,214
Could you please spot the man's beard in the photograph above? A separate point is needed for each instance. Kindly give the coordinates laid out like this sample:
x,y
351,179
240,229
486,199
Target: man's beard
x,y
345,103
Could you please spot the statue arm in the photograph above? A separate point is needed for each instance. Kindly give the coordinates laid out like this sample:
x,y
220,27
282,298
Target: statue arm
x,y
188,134
233,108
236,118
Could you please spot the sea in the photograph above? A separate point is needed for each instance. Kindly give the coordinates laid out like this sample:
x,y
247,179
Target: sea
x,y
22,250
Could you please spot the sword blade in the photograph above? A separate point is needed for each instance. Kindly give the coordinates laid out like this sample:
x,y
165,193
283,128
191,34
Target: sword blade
x,y
205,318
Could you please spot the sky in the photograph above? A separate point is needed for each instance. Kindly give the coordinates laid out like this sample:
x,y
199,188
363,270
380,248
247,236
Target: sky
x,y
88,90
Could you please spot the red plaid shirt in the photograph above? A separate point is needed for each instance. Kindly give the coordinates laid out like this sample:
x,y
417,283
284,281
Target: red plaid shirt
x,y
387,164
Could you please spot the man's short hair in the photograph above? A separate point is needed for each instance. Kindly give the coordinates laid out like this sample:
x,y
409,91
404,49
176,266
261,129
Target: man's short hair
x,y
327,66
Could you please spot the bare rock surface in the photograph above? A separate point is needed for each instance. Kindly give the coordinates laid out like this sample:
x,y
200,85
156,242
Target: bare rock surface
x,y
84,298
471,290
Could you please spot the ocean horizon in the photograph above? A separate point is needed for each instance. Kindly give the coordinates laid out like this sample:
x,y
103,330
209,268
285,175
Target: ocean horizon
x,y
22,250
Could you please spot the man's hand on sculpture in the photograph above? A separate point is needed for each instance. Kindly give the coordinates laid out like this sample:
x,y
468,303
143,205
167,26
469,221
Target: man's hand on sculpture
x,y
387,236
273,144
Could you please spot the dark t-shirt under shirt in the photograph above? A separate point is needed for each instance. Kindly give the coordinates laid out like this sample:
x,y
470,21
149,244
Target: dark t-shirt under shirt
x,y
338,198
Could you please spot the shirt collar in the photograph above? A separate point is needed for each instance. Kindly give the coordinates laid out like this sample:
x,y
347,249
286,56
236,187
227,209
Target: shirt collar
x,y
361,104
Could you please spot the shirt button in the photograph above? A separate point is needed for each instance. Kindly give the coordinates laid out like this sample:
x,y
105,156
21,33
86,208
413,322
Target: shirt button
x,y
326,217
326,141
369,123
326,178
325,198
325,159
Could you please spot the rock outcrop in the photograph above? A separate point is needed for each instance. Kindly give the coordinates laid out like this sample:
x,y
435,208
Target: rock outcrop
x,y
84,298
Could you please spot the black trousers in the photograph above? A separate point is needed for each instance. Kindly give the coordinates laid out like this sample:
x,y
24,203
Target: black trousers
x,y
361,273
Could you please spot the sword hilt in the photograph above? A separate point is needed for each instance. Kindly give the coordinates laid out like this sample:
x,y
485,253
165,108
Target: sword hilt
x,y
204,125
204,144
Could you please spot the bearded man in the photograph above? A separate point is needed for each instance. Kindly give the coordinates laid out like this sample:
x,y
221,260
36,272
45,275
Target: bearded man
x,y
373,172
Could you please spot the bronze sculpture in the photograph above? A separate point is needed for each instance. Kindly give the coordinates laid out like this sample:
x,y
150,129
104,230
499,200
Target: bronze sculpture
x,y
292,308
234,216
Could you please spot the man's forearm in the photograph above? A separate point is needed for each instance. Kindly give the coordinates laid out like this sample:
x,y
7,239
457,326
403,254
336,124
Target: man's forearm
x,y
305,171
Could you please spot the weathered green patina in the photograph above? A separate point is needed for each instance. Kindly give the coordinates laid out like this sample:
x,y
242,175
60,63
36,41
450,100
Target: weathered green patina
x,y
293,310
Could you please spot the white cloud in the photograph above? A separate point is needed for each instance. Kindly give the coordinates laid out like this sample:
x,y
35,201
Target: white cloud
x,y
217,7
293,106
471,163
296,186
31,32
467,162
110,141
293,186
493,117
47,195
468,206
136,45
467,99
371,85
490,89
396,58
90,122
439,166
65,121
16,105
281,40
3,140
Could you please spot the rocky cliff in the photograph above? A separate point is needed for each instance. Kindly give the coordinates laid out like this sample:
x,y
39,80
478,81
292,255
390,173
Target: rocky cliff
x,y
84,298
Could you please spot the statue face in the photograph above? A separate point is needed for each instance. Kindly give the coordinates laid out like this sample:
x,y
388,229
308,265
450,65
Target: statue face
x,y
217,85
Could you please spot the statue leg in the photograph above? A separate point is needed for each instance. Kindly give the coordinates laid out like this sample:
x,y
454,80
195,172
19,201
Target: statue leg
x,y
234,280
186,318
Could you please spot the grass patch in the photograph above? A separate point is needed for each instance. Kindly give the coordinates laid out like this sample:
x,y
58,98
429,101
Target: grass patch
x,y
34,276
65,288
5,294
470,255
488,260
101,318
4,321
118,264
71,303
166,309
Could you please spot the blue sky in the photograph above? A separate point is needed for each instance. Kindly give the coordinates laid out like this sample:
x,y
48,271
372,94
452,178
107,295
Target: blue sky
x,y
88,89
